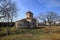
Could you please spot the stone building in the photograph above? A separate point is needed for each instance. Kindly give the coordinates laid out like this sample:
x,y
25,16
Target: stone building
x,y
28,22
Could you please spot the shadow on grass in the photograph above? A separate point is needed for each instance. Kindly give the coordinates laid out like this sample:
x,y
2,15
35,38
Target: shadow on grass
x,y
21,31
1,35
33,28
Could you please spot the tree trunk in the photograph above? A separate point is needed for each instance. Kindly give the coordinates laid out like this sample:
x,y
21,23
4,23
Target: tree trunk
x,y
8,26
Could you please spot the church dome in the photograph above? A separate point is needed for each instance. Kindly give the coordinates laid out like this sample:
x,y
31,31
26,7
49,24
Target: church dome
x,y
29,12
29,15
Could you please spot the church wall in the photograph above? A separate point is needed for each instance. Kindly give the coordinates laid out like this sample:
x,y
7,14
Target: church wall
x,y
22,25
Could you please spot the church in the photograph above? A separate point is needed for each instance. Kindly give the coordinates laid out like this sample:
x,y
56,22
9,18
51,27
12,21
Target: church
x,y
28,22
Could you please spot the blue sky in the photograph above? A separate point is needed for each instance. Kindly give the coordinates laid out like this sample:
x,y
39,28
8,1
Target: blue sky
x,y
36,6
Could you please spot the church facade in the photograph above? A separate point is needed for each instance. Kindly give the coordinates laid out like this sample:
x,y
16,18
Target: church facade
x,y
28,22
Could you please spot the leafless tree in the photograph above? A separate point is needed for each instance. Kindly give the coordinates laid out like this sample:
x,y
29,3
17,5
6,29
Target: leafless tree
x,y
49,17
8,10
42,18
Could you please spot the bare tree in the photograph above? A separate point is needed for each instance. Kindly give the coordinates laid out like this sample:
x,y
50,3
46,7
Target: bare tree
x,y
49,17
42,18
9,10
58,19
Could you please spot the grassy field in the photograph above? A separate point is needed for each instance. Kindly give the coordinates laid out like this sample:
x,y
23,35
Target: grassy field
x,y
47,33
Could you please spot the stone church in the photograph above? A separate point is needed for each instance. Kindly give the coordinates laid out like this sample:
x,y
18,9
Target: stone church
x,y
28,22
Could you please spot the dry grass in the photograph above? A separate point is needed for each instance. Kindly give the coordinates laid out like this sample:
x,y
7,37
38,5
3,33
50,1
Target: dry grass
x,y
48,33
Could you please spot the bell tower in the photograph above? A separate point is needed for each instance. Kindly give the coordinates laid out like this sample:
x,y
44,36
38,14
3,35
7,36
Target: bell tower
x,y
30,19
29,15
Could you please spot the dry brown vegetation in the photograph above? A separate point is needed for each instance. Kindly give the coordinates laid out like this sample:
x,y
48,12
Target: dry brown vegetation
x,y
47,33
